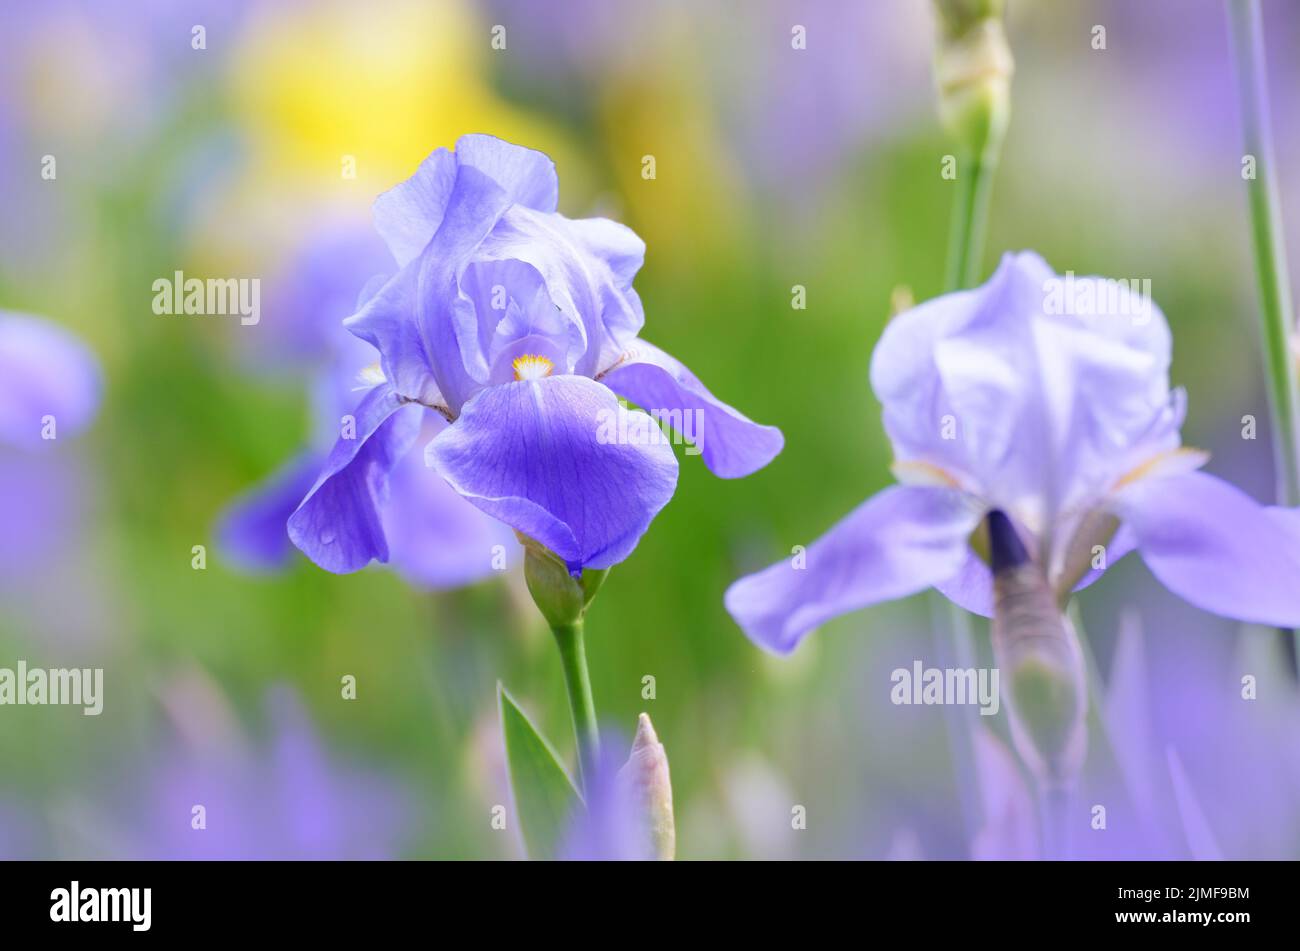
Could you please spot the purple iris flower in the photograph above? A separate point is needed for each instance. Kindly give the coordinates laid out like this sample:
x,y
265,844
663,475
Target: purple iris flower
x,y
519,327
50,386
436,539
1047,398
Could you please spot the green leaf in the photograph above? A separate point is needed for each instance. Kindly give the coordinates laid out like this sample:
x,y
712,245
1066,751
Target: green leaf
x,y
545,797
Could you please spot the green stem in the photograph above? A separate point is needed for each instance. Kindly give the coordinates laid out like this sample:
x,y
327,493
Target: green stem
x,y
573,656
1270,253
970,214
954,645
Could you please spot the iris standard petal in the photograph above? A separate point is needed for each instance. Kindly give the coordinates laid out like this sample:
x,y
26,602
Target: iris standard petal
x,y
1216,547
338,525
442,313
253,530
526,175
732,444
45,371
900,541
1036,389
408,215
585,275
385,321
535,454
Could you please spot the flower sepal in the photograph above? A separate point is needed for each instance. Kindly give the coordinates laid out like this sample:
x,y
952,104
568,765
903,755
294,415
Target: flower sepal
x,y
557,594
561,596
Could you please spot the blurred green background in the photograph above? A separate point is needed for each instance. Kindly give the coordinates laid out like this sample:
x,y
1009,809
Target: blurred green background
x,y
775,168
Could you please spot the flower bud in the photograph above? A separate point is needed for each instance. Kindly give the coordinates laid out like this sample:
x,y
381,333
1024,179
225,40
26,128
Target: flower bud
x,y
558,595
646,776
957,16
1038,652
972,71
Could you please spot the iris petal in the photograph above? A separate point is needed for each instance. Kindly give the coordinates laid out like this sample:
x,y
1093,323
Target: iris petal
x,y
437,539
527,175
443,314
409,215
1038,403
585,267
535,454
900,541
1216,547
732,444
339,525
252,529
384,321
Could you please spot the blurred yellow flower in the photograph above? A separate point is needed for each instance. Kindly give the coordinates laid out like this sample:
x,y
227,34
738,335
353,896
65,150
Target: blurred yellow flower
x,y
382,85
339,102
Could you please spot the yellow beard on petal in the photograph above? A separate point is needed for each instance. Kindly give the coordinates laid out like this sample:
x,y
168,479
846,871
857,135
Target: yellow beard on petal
x,y
1169,462
531,366
917,473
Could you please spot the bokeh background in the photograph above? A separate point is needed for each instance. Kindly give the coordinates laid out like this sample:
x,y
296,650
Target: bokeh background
x,y
775,167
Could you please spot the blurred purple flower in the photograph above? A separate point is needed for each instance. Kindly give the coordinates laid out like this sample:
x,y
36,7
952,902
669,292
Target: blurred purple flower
x,y
794,114
1008,829
579,42
288,800
1208,768
1049,399
1184,90
50,386
1188,765
612,826
798,114
519,326
45,372
437,540
17,838
92,86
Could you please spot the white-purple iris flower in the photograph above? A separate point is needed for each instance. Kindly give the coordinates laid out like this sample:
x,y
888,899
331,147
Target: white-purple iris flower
x,y
1047,398
435,538
520,327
